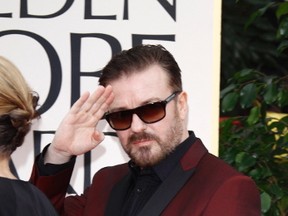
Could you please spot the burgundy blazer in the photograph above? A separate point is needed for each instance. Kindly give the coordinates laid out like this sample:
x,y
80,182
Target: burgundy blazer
x,y
201,184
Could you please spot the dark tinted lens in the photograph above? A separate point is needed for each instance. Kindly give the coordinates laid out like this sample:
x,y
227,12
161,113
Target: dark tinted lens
x,y
120,120
151,113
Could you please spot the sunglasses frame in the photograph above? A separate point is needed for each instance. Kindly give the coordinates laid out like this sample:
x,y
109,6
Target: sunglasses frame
x,y
134,111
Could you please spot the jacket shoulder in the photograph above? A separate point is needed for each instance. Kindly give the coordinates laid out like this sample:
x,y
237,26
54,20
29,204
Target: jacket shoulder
x,y
111,174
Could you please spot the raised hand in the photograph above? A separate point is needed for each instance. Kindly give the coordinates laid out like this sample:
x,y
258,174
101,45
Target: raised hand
x,y
77,132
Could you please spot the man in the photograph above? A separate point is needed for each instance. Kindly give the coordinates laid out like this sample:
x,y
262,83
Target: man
x,y
170,171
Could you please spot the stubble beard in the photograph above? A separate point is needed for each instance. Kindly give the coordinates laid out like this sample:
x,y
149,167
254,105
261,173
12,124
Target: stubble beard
x,y
151,155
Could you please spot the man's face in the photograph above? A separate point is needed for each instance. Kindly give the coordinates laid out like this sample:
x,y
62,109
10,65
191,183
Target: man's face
x,y
147,144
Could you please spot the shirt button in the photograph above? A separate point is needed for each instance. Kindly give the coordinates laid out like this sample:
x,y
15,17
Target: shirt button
x,y
139,190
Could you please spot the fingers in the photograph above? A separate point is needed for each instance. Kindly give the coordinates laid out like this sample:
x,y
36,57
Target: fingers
x,y
96,103
103,103
79,103
95,98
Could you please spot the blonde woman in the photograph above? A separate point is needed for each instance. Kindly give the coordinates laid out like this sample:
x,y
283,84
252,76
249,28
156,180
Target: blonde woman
x,y
17,109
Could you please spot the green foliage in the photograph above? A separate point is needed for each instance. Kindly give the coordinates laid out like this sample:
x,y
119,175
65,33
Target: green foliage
x,y
248,88
254,35
259,150
254,82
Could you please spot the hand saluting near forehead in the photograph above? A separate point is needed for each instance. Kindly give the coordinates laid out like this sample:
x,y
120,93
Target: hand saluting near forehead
x,y
77,132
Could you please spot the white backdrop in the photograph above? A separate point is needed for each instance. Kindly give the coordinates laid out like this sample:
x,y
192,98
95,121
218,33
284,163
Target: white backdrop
x,y
60,45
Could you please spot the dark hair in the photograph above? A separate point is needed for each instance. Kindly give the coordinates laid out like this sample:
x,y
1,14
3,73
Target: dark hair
x,y
17,107
138,58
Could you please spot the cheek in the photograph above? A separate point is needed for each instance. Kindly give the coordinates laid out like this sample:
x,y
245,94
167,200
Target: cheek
x,y
163,128
123,137
168,121
159,128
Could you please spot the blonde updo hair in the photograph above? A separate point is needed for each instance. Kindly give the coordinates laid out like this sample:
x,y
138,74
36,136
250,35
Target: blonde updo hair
x,y
17,107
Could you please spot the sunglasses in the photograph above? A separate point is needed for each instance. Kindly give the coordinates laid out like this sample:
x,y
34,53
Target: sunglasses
x,y
148,113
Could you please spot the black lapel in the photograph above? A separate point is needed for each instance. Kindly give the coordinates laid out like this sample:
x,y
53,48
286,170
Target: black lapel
x,y
166,191
117,196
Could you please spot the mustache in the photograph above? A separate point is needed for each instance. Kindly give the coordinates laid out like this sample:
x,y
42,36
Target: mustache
x,y
141,136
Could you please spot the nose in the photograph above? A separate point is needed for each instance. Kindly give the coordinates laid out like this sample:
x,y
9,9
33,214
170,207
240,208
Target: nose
x,y
137,125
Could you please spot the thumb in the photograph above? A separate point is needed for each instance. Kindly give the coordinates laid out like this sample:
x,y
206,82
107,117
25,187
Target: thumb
x,y
97,138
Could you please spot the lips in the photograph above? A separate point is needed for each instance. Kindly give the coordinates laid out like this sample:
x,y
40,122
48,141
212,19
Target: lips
x,y
141,139
141,142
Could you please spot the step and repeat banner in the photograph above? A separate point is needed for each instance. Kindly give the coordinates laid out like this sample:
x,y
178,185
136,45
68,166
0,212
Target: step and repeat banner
x,y
60,46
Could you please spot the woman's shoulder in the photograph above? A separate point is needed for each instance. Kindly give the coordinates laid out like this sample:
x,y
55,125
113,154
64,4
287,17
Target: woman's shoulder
x,y
23,198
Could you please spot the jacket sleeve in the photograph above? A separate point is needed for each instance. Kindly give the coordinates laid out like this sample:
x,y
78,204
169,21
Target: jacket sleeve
x,y
54,186
237,196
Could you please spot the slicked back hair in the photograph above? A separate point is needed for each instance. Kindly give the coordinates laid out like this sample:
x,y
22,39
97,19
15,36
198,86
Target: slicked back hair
x,y
139,58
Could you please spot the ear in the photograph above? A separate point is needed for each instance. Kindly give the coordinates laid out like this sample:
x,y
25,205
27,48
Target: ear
x,y
182,105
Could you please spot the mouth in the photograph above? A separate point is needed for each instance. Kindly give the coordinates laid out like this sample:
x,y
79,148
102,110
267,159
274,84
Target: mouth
x,y
142,142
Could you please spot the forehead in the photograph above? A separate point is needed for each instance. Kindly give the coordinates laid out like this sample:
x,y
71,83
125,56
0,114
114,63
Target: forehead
x,y
140,87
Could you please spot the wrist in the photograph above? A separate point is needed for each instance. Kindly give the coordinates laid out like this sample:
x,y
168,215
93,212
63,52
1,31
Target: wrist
x,y
54,156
